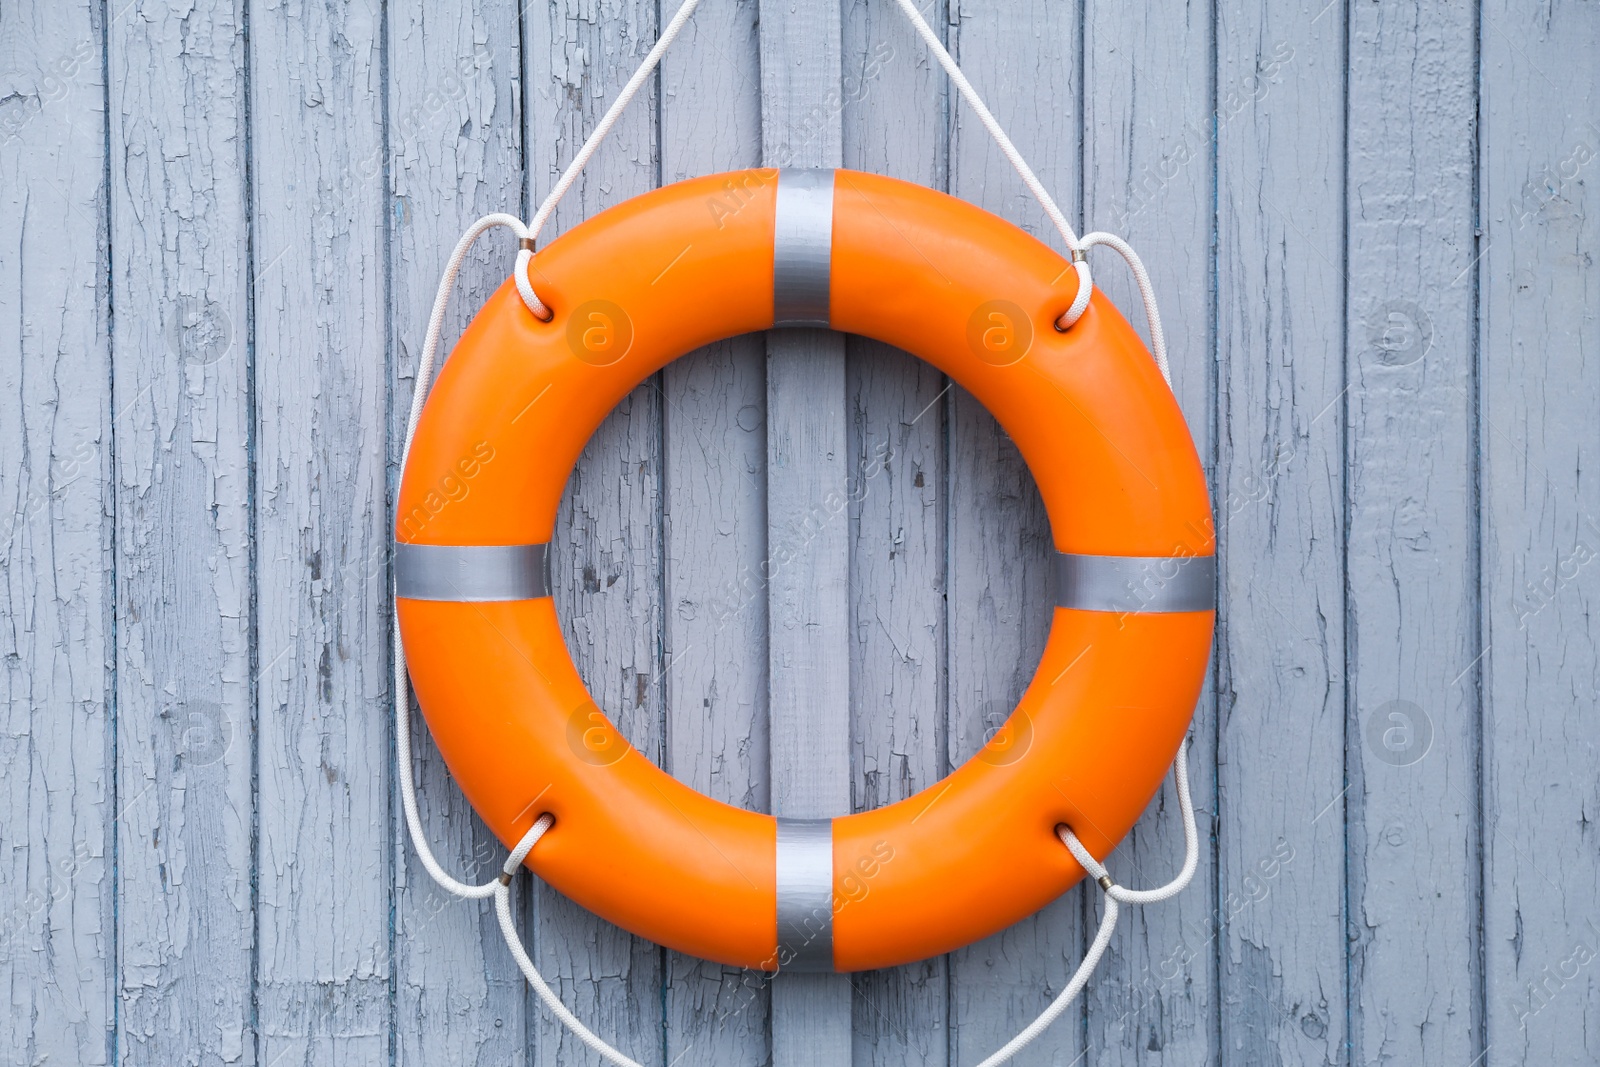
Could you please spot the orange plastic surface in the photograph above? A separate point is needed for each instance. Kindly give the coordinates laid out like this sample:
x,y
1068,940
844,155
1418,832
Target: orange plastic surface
x,y
667,272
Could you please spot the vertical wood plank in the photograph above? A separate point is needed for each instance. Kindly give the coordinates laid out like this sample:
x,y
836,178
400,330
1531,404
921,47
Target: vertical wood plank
x,y
894,123
1412,755
897,654
1000,545
714,433
56,804
321,536
1539,392
999,575
808,602
1280,478
179,271
454,153
607,546
1148,177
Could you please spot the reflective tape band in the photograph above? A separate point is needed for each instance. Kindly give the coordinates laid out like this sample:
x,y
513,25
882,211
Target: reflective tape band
x,y
805,895
802,248
471,573
1136,584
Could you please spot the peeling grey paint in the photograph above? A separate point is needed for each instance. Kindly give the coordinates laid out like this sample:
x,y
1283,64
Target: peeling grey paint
x,y
1370,231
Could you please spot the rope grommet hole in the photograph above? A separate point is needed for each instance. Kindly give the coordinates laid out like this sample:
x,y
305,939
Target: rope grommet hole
x,y
530,299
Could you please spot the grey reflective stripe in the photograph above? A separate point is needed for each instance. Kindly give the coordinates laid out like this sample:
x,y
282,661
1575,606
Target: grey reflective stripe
x,y
802,248
805,895
1136,583
471,572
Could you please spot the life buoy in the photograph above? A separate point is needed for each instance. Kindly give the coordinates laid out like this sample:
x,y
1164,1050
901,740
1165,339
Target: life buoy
x,y
695,262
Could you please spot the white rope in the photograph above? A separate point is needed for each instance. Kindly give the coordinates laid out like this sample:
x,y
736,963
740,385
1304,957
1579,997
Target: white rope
x,y
592,143
1080,978
1025,172
402,711
1191,846
508,929
526,234
1147,293
441,301
1114,894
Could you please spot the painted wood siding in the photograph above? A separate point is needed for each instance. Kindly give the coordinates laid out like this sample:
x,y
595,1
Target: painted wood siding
x,y
1372,229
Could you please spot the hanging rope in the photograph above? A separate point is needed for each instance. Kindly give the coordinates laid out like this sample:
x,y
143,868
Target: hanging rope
x,y
1147,293
1075,247
1085,283
527,235
590,144
1114,895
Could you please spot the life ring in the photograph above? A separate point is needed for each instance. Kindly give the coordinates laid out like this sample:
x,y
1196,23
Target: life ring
x,y
701,260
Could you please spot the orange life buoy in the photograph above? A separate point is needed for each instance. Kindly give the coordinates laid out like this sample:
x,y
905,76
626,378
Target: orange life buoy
x,y
695,262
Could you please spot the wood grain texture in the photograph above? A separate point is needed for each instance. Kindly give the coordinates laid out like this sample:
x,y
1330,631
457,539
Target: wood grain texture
x,y
1281,668
1539,295
453,152
321,533
607,543
808,537
57,808
714,502
1149,177
893,122
1371,231
999,536
186,659
1412,736
897,653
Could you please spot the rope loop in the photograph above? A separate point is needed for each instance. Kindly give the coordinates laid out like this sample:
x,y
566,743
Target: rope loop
x,y
1115,895
1069,318
1147,293
1080,302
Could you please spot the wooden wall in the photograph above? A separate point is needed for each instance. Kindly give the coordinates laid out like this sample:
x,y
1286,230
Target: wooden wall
x,y
1373,230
